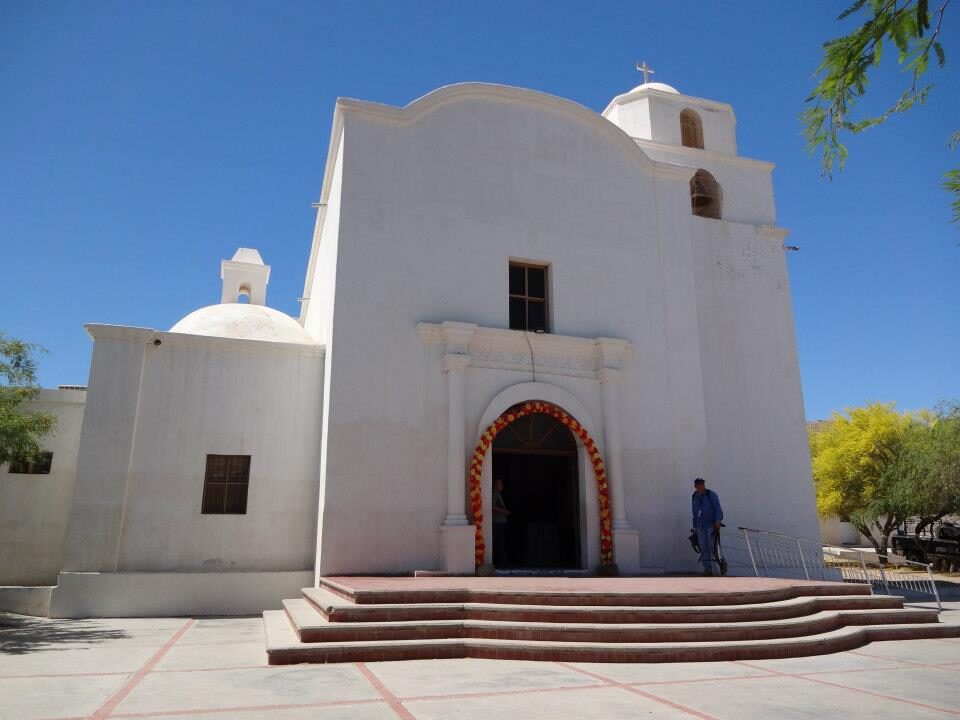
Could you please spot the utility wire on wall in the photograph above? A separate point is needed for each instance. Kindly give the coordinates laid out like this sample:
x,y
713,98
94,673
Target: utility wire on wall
x,y
533,364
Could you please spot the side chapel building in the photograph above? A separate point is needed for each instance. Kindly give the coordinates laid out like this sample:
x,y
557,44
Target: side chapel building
x,y
502,284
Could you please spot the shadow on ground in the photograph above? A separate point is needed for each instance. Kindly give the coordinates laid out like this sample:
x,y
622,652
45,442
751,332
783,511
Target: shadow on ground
x,y
948,589
20,635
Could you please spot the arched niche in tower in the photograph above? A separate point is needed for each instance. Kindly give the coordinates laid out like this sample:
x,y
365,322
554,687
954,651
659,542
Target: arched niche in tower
x,y
691,129
706,197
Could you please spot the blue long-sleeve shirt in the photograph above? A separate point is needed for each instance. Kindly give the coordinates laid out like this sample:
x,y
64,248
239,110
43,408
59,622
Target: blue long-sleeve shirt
x,y
706,509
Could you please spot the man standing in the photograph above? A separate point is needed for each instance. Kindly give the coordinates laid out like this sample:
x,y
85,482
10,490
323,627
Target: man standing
x,y
707,515
500,556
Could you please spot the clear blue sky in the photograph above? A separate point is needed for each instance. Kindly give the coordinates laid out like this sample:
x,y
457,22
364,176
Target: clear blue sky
x,y
141,142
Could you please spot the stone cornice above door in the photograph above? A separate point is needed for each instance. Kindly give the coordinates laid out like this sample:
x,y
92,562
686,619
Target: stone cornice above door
x,y
516,350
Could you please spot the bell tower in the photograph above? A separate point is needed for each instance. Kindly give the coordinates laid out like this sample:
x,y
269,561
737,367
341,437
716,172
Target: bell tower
x,y
244,275
657,112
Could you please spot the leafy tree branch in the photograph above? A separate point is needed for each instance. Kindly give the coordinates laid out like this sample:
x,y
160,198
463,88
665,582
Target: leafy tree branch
x,y
843,77
21,430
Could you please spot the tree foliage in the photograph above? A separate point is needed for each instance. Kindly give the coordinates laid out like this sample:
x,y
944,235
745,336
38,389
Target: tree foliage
x,y
21,430
914,30
858,464
879,467
937,454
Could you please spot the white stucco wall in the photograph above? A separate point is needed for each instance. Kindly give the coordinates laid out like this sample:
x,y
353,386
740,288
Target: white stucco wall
x,y
436,201
156,411
756,437
422,210
318,307
411,218
834,531
34,509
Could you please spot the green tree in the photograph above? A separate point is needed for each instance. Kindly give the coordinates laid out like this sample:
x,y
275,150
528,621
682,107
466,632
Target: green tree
x,y
21,430
862,468
843,76
936,452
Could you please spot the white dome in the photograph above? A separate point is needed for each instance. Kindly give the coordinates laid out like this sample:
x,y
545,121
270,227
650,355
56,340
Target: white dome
x,y
662,87
244,322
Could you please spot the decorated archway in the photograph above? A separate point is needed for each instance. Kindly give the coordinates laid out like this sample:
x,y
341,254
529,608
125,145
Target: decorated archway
x,y
486,442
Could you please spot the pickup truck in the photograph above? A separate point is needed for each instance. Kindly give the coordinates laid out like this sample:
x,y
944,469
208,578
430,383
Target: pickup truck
x,y
943,544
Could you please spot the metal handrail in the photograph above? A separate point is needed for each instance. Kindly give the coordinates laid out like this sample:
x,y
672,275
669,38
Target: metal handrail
x,y
773,554
785,537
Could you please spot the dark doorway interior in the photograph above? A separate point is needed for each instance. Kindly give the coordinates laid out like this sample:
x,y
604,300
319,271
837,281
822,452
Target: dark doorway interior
x,y
536,457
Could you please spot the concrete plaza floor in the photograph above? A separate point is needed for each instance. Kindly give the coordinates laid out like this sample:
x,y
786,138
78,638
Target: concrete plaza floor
x,y
216,668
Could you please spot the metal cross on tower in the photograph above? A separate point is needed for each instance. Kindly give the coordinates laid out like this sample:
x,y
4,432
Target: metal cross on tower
x,y
646,70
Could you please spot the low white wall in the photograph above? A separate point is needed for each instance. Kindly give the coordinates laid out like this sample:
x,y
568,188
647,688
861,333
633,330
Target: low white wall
x,y
833,531
159,403
31,600
35,509
81,594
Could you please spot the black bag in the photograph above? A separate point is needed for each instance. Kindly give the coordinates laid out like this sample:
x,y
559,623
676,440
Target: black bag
x,y
718,552
694,542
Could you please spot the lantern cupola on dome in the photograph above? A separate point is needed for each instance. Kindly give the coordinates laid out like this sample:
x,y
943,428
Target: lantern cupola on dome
x,y
244,278
659,113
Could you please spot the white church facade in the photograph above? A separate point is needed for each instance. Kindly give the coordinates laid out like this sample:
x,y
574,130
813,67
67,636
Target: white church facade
x,y
593,308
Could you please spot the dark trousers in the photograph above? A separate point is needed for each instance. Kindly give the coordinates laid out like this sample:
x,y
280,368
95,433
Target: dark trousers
x,y
706,536
501,557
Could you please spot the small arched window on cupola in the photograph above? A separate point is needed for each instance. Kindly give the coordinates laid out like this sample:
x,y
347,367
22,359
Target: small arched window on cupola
x,y
691,130
705,195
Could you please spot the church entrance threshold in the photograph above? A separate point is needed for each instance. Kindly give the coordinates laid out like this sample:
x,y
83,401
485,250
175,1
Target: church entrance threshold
x,y
536,457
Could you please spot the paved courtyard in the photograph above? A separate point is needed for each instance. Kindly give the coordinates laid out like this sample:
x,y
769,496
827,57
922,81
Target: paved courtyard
x,y
215,668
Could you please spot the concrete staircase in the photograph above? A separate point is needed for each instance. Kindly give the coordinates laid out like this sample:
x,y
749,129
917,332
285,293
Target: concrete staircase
x,y
588,620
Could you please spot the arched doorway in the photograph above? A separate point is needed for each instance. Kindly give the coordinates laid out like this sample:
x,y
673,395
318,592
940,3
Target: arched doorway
x,y
589,450
536,458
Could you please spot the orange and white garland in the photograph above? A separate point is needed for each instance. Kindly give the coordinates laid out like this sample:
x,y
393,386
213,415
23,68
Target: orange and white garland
x,y
486,442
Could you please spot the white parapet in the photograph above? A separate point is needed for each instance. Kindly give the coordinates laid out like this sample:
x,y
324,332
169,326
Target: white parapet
x,y
171,594
26,600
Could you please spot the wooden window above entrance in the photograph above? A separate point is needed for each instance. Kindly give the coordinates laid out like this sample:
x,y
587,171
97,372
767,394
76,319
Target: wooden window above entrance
x,y
528,297
225,485
536,433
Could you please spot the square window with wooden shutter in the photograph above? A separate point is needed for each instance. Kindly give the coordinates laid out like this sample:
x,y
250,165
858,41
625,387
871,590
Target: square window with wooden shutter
x,y
225,485
528,297
40,465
